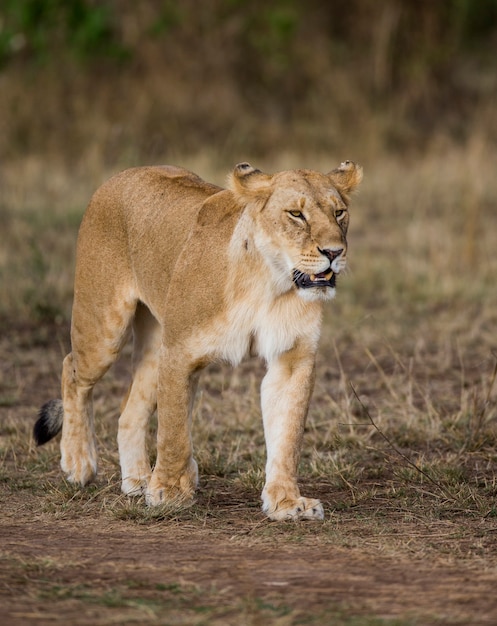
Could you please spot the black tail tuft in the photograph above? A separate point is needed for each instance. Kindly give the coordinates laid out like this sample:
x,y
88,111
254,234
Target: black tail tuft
x,y
49,422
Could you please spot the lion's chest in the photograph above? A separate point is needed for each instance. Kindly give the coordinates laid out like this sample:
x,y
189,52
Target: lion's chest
x,y
258,334
265,329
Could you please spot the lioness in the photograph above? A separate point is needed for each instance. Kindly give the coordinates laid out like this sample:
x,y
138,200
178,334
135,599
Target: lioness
x,y
200,273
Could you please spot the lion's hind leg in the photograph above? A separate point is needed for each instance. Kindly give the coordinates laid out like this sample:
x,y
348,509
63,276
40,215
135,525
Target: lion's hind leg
x,y
99,330
78,448
139,404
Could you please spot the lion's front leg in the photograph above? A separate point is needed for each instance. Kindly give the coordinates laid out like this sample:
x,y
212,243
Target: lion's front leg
x,y
285,395
175,476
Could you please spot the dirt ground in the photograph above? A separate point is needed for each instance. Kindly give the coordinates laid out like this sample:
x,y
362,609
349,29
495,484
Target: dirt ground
x,y
186,573
85,557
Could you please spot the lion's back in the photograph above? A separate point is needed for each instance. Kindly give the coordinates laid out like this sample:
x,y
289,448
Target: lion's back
x,y
143,196
140,219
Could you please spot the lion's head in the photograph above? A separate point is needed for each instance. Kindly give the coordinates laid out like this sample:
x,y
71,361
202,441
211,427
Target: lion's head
x,y
301,220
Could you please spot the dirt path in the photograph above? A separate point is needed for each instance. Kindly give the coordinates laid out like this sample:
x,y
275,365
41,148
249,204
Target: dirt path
x,y
83,572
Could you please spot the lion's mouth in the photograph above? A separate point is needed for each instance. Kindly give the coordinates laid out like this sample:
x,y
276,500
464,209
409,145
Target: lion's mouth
x,y
306,281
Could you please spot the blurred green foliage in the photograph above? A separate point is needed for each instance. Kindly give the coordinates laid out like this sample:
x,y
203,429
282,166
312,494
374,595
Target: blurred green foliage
x,y
145,76
40,29
472,20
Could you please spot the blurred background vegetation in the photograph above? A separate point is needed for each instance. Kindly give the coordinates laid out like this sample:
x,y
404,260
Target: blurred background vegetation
x,y
119,82
406,87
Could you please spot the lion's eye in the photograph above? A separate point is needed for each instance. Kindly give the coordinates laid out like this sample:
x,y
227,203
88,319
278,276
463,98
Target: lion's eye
x,y
339,213
297,214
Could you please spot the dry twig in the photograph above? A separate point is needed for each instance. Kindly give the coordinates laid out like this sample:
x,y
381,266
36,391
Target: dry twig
x,y
439,486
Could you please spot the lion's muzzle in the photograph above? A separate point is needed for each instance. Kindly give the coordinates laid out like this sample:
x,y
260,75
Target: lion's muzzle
x,y
321,279
306,281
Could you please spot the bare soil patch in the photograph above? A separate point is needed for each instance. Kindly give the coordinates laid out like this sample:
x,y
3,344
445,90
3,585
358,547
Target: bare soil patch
x,y
173,573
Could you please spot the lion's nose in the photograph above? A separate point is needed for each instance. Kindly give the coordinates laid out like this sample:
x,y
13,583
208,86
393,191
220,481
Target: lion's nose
x,y
331,254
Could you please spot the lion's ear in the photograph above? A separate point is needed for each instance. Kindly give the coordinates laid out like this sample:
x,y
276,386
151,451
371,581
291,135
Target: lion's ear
x,y
247,181
346,177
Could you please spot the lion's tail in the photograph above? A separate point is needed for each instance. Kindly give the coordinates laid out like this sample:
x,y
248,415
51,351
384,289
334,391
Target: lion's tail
x,y
49,422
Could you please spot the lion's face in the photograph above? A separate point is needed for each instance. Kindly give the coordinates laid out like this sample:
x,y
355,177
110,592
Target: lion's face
x,y
301,221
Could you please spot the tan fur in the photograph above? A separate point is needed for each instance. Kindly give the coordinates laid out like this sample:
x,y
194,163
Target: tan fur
x,y
201,273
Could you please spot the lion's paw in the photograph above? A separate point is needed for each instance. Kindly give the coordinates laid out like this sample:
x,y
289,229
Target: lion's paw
x,y
299,509
79,466
134,486
167,496
178,492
